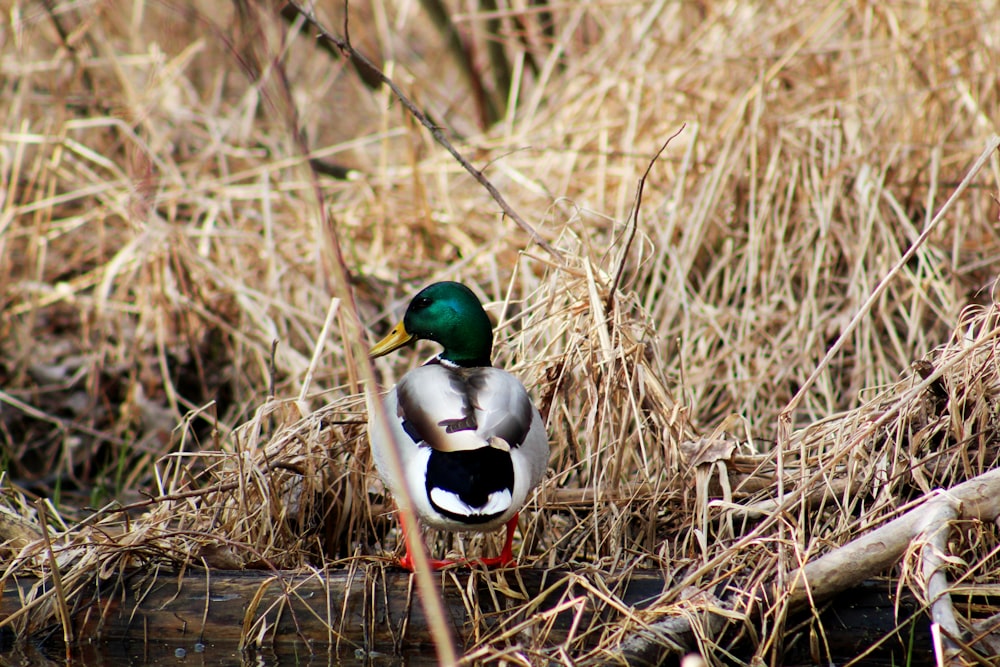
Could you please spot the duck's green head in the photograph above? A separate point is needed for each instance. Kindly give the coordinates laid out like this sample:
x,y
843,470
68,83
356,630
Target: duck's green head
x,y
447,313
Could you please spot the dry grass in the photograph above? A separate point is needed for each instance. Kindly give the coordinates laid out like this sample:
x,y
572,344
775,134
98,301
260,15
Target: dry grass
x,y
159,228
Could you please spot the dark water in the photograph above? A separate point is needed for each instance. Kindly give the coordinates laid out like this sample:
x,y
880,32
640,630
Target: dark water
x,y
195,654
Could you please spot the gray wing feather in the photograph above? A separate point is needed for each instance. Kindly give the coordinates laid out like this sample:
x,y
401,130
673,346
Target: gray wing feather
x,y
464,408
503,407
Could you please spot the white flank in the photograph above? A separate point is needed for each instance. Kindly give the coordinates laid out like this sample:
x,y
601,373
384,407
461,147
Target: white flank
x,y
497,502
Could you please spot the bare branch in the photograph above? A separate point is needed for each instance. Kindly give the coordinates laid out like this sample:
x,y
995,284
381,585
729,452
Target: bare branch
x,y
350,52
635,218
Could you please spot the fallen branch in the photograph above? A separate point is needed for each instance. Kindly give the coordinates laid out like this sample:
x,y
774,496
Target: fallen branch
x,y
934,545
370,608
851,564
977,499
369,605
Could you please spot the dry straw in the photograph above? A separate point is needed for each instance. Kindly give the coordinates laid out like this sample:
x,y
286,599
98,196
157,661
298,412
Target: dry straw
x,y
791,345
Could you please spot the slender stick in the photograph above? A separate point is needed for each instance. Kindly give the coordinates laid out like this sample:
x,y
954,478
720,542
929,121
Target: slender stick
x,y
64,616
340,284
636,207
785,417
331,312
345,47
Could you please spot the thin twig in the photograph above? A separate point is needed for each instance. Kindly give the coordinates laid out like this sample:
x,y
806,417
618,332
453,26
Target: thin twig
x,y
272,370
784,419
350,52
65,620
430,597
331,312
636,207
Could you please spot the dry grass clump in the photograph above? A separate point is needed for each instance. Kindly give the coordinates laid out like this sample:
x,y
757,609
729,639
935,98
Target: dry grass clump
x,y
166,214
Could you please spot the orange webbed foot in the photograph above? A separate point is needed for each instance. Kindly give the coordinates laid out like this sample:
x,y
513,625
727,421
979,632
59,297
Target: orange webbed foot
x,y
505,559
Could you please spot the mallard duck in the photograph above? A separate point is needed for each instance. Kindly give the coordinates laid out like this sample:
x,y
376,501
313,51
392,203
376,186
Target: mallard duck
x,y
472,444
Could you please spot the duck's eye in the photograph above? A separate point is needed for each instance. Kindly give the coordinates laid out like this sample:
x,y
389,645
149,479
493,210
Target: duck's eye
x,y
421,302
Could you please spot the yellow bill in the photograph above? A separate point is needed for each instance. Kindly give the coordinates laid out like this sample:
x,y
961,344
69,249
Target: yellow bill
x,y
396,339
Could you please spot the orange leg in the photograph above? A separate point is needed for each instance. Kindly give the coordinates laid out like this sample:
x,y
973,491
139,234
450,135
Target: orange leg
x,y
505,558
406,562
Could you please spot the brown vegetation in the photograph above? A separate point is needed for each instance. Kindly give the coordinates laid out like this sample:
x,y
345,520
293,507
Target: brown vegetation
x,y
792,342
